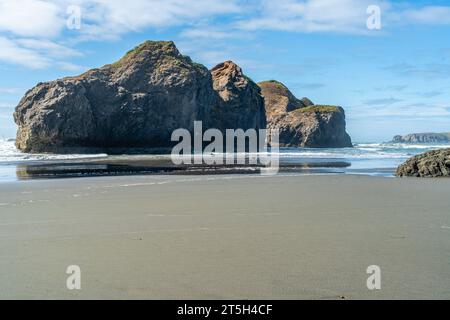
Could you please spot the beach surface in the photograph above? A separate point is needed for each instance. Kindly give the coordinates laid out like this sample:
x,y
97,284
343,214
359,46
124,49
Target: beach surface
x,y
225,237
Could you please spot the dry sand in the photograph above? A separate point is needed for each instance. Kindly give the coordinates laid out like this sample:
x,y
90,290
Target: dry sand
x,y
225,237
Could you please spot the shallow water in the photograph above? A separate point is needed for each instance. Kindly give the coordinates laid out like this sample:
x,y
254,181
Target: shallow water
x,y
379,159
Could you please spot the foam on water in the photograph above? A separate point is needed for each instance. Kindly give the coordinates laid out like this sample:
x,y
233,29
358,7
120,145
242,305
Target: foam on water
x,y
9,153
364,158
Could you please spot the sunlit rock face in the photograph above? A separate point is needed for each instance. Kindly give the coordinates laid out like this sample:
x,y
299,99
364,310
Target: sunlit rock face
x,y
300,122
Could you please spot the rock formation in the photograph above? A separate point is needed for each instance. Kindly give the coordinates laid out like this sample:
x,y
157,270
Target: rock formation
x,y
300,122
135,104
241,100
431,164
423,138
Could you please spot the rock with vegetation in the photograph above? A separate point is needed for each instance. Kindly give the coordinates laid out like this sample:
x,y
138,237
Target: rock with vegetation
x,y
300,122
431,164
135,104
423,138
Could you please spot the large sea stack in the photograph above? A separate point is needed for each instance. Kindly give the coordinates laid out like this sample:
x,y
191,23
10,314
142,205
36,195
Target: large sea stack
x,y
300,122
136,103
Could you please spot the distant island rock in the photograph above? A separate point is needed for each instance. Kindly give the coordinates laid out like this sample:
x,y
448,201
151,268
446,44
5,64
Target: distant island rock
x,y
301,123
430,164
137,102
423,138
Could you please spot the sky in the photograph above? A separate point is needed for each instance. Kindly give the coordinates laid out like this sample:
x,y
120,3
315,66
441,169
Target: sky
x,y
391,78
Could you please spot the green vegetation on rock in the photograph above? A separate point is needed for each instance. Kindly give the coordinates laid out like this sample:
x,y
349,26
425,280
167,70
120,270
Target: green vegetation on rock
x,y
277,83
164,46
320,108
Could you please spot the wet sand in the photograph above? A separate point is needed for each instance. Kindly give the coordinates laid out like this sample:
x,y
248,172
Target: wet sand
x,y
225,237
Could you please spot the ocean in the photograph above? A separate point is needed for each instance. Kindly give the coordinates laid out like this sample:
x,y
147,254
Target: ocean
x,y
378,159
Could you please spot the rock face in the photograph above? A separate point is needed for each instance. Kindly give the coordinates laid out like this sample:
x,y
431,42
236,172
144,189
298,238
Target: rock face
x,y
135,103
430,164
300,122
241,101
423,138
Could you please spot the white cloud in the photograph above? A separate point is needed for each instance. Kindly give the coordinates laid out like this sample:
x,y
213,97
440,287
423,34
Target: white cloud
x,y
37,54
72,67
340,16
105,18
6,105
33,18
209,33
11,52
429,15
28,28
312,16
32,31
423,110
426,71
108,19
49,48
10,91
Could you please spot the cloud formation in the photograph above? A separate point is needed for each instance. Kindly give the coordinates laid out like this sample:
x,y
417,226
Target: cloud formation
x,y
426,71
347,16
13,53
35,35
31,18
381,101
32,31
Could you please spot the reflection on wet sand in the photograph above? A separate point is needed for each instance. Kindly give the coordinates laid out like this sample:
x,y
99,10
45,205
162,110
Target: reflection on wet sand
x,y
118,167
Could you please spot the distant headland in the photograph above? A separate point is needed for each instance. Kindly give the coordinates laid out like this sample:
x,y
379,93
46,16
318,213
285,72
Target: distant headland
x,y
423,138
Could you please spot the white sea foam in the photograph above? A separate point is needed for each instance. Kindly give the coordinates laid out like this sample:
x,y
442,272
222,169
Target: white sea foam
x,y
9,153
361,151
401,146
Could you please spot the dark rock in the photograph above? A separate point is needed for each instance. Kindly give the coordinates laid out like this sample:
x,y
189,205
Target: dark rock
x,y
431,164
307,102
135,104
300,122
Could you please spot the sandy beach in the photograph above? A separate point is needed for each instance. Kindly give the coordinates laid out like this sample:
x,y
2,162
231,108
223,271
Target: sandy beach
x,y
225,237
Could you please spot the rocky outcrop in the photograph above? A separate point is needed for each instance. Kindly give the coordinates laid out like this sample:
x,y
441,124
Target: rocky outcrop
x,y
423,138
300,122
278,99
135,104
241,100
431,164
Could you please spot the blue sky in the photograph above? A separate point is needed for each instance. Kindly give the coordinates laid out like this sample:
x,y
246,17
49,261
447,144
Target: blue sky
x,y
394,80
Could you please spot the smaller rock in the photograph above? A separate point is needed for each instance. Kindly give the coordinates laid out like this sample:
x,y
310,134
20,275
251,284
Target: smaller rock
x,y
300,122
431,164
